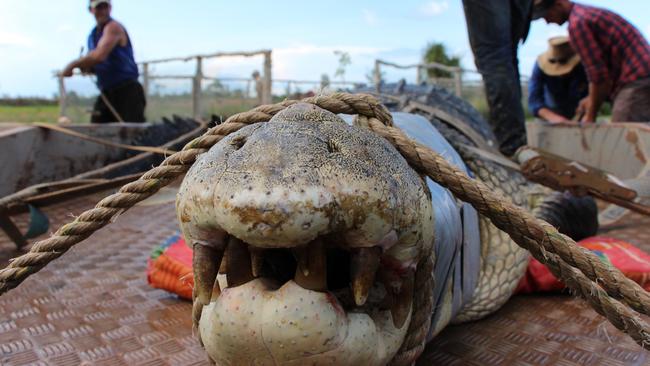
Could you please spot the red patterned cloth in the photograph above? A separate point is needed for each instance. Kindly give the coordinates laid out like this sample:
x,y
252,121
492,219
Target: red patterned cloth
x,y
170,266
633,262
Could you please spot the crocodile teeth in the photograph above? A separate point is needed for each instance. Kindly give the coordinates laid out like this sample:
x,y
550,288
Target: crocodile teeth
x,y
314,277
257,260
239,263
223,268
206,261
403,300
302,258
363,268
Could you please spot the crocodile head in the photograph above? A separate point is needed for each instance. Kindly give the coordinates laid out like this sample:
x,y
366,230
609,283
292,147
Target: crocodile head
x,y
321,226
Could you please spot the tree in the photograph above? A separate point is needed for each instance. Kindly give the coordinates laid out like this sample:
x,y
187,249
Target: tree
x,y
216,87
344,61
437,52
324,81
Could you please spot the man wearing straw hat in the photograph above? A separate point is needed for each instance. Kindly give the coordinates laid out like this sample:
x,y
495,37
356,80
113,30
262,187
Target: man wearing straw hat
x,y
110,57
614,53
558,82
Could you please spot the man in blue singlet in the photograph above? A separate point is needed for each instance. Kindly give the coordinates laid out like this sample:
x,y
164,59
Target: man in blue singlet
x,y
110,57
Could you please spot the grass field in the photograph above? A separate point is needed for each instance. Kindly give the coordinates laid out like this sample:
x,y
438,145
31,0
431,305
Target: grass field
x,y
157,107
40,113
47,113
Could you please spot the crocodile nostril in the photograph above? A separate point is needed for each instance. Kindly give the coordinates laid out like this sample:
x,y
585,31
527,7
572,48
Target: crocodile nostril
x,y
332,147
238,142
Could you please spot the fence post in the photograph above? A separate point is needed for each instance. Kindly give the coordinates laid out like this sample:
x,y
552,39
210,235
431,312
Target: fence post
x,y
196,88
458,82
266,95
62,96
418,75
145,78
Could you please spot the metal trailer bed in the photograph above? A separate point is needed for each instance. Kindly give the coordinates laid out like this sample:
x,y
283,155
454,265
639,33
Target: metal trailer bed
x,y
93,306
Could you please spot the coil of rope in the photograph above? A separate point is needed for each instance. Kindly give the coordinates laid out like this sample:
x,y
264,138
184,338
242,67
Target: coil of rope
x,y
604,287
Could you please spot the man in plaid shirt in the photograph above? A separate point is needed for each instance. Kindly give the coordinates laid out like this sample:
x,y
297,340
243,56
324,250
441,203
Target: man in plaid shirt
x,y
615,55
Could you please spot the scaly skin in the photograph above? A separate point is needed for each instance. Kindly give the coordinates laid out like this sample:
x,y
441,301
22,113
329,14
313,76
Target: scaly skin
x,y
305,184
503,262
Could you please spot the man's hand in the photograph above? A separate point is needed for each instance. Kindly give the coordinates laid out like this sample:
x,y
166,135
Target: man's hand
x,y
582,112
591,104
550,116
113,33
86,70
67,72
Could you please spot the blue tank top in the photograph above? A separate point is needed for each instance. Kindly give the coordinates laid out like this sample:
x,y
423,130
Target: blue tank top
x,y
120,65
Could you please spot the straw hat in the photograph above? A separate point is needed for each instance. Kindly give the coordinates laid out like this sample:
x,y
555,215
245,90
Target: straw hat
x,y
559,59
96,3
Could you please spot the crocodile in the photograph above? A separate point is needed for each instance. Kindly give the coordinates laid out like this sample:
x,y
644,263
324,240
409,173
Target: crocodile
x,y
312,236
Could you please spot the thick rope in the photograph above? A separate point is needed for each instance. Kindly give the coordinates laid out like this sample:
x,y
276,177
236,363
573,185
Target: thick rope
x,y
621,316
175,165
534,235
525,229
97,140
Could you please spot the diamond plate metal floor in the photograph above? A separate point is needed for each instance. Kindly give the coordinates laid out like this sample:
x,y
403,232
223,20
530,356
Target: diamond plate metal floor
x,y
93,306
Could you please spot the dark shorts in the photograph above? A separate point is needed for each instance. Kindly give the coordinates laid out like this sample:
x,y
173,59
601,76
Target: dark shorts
x,y
632,103
127,99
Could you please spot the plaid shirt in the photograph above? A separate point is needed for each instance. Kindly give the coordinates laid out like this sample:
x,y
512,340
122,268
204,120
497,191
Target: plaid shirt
x,y
610,47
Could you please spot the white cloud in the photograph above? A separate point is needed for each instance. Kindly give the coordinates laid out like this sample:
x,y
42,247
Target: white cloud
x,y
311,49
434,7
64,28
369,17
14,39
647,31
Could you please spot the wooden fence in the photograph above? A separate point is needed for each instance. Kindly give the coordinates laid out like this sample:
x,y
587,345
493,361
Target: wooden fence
x,y
457,73
197,78
266,79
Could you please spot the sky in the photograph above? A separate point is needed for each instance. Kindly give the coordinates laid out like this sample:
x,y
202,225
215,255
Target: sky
x,y
39,36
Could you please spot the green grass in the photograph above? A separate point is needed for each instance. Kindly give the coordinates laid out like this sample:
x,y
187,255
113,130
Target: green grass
x,y
47,113
40,113
157,107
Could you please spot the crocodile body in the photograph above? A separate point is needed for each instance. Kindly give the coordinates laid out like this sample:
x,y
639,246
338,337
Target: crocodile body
x,y
321,229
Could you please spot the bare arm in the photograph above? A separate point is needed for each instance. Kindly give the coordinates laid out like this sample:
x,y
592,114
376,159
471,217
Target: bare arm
x,y
551,116
113,33
590,105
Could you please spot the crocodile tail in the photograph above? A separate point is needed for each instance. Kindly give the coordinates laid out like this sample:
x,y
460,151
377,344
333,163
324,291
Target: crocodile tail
x,y
575,217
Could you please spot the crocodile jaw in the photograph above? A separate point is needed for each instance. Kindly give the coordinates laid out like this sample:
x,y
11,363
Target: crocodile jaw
x,y
258,324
